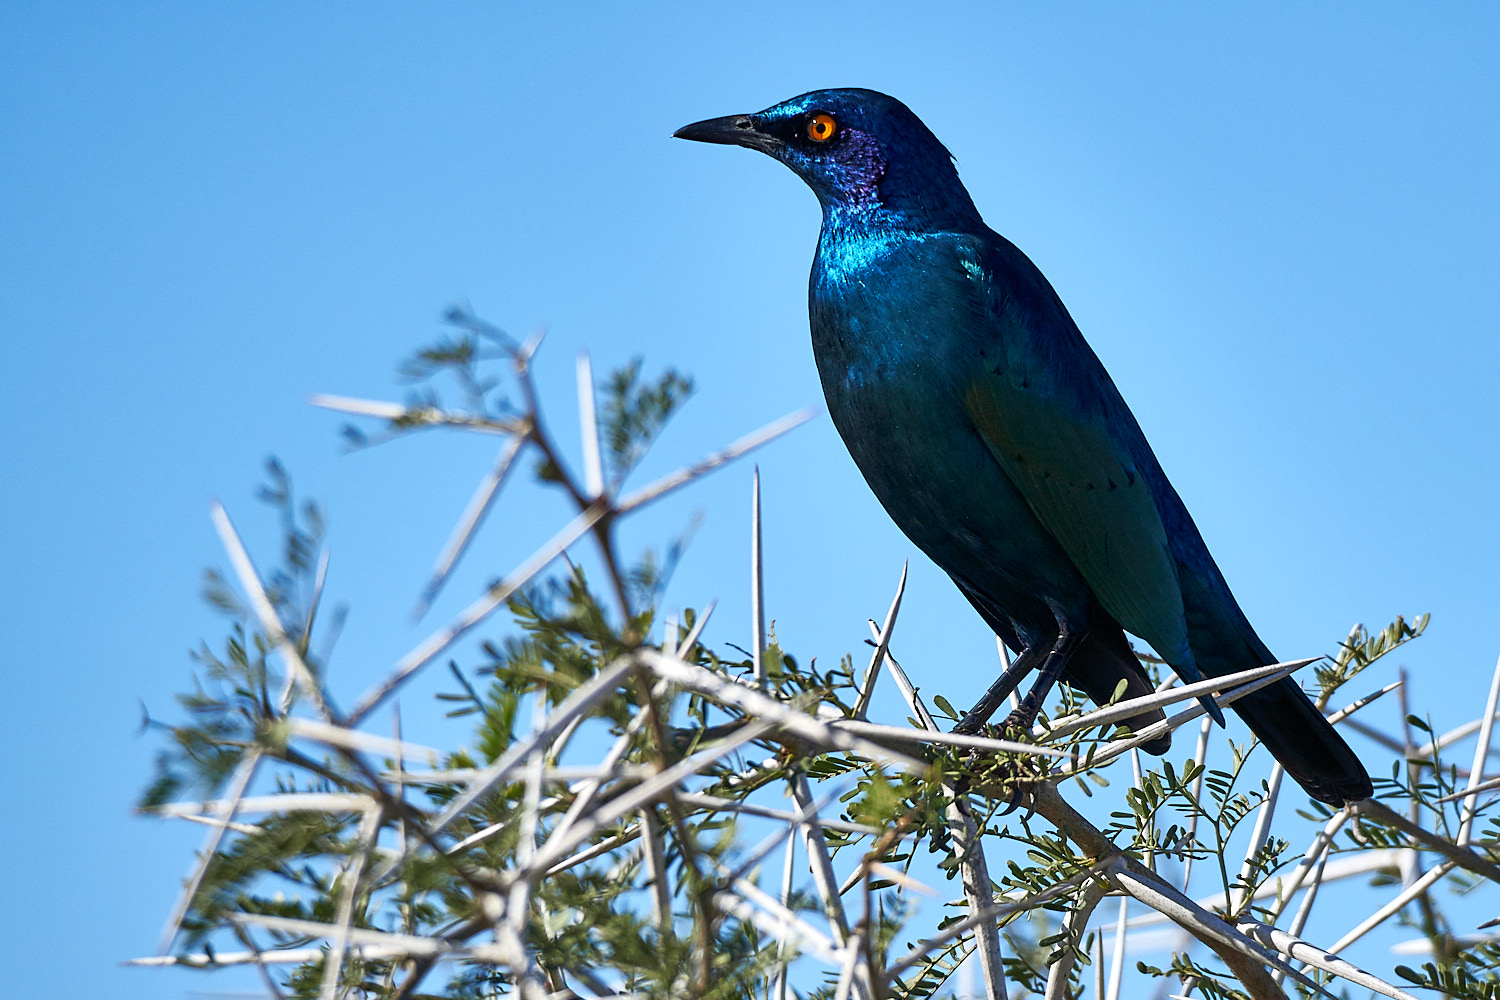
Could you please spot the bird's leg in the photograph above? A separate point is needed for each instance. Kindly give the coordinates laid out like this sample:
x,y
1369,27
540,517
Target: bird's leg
x,y
985,707
1008,775
1025,714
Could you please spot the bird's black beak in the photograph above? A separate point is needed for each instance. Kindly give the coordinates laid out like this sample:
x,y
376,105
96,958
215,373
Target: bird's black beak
x,y
734,130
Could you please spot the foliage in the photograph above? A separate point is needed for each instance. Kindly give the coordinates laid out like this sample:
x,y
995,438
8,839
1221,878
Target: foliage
x,y
607,825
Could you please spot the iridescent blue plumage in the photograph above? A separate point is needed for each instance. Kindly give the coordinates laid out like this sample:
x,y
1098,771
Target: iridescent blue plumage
x,y
995,439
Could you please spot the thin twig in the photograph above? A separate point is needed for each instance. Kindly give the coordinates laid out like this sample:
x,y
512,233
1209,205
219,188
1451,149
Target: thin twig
x,y
923,737
682,477
270,621
757,587
794,823
1345,866
1117,957
656,870
339,939
351,739
1200,755
882,644
818,860
224,810
469,522
903,683
1315,855
995,914
1299,921
788,720
1074,924
1394,906
1135,706
778,923
478,611
1481,754
963,834
414,416
788,866
284,802
1359,703
588,425
1259,835
1115,748
647,791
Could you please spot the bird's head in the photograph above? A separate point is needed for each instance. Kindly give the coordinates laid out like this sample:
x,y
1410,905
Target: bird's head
x,y
857,150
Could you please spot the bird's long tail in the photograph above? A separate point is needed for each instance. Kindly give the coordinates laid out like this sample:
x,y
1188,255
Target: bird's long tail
x,y
1282,715
1297,734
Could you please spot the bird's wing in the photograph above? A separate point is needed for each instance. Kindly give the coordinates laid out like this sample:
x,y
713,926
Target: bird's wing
x,y
1058,427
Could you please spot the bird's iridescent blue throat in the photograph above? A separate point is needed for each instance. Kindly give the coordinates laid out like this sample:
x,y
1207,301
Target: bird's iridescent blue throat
x,y
994,438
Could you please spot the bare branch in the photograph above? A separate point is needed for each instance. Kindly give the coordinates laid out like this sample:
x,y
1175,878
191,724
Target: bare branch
x,y
1294,947
1460,856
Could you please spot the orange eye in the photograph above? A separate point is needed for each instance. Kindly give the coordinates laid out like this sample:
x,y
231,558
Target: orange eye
x,y
821,126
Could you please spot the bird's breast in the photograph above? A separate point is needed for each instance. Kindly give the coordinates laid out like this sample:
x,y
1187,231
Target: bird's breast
x,y
900,332
888,315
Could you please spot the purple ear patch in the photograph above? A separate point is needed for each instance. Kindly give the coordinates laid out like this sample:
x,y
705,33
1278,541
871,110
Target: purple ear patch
x,y
856,169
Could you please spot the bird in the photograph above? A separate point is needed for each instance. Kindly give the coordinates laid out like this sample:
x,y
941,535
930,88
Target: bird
x,y
993,436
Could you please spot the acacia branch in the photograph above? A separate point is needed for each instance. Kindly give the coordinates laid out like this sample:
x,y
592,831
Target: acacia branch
x,y
1247,964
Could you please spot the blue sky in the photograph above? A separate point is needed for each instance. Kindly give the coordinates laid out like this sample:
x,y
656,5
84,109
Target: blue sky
x,y
1275,224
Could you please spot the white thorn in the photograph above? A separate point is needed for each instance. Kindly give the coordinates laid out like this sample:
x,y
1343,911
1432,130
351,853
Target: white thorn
x,y
593,465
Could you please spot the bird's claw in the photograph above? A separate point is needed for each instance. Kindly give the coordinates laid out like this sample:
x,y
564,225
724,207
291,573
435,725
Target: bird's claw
x,y
974,722
1001,776
1017,725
